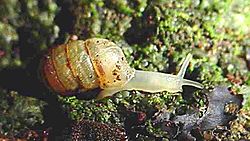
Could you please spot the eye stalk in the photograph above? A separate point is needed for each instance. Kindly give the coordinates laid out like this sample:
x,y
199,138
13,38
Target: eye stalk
x,y
79,66
156,82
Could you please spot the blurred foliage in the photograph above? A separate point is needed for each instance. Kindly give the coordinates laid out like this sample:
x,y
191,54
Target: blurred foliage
x,y
154,35
19,113
26,28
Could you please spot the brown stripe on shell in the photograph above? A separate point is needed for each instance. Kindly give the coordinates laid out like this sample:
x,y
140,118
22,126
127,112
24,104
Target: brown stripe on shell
x,y
69,65
51,74
96,64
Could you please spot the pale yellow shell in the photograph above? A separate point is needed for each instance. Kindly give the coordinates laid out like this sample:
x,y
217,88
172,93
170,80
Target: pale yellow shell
x,y
84,65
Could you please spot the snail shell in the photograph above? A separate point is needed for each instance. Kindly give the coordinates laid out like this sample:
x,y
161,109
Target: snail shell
x,y
85,65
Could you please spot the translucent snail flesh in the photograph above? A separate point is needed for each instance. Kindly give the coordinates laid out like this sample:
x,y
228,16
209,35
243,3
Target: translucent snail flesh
x,y
85,65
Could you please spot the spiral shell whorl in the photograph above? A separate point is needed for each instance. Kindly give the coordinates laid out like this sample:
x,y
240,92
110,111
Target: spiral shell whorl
x,y
109,62
84,65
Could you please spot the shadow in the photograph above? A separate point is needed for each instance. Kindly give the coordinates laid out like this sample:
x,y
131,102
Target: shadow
x,y
142,28
26,84
88,95
188,91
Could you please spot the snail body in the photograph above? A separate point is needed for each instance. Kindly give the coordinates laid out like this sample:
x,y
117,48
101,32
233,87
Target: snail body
x,y
85,65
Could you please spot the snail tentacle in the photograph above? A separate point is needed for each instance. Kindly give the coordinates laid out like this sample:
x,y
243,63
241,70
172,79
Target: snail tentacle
x,y
184,66
155,82
99,63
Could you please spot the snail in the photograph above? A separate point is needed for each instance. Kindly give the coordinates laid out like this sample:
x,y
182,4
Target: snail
x,y
99,63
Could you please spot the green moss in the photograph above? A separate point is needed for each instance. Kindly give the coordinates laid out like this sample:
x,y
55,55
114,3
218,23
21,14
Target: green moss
x,y
92,110
26,28
19,113
154,35
160,35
